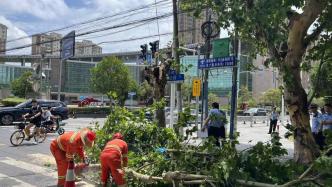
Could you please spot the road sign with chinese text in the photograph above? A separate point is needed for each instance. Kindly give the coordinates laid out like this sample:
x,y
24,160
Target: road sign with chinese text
x,y
216,62
196,87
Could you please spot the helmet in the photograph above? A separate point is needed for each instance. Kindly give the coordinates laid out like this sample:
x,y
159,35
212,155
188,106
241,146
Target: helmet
x,y
88,137
91,136
117,136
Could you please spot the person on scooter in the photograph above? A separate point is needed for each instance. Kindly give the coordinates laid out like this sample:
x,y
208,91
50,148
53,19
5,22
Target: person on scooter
x,y
48,118
34,116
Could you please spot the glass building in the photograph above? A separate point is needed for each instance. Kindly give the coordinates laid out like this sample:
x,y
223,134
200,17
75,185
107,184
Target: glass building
x,y
77,76
9,72
220,80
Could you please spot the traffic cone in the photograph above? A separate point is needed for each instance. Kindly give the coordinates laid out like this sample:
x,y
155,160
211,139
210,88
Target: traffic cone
x,y
70,176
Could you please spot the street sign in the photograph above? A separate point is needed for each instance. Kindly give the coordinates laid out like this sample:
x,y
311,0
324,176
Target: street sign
x,y
220,47
174,77
196,87
216,62
68,46
132,93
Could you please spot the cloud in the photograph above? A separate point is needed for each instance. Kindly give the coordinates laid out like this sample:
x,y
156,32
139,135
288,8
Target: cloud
x,y
15,32
42,9
57,14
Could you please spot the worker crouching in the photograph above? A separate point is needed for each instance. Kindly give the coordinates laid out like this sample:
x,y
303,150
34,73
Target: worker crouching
x,y
66,146
113,160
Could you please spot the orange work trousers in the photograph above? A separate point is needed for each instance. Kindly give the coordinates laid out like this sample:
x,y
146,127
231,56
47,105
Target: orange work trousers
x,y
61,162
110,162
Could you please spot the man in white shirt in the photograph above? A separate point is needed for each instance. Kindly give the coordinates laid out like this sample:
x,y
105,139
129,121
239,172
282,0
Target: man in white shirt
x,y
316,126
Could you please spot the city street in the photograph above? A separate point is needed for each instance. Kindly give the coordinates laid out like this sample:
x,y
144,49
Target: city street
x,y
33,165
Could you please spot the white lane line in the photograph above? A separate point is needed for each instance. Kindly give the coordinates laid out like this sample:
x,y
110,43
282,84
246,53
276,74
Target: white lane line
x,y
21,183
42,159
30,167
38,170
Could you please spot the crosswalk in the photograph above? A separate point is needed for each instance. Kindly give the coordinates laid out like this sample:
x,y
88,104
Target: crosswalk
x,y
36,171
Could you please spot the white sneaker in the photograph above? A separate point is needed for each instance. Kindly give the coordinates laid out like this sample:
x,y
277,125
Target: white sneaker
x,y
35,143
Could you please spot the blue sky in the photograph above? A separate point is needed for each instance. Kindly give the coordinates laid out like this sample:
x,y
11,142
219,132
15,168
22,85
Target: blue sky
x,y
26,17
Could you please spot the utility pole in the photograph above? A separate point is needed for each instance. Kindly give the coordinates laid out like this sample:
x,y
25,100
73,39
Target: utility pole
x,y
234,87
206,72
176,52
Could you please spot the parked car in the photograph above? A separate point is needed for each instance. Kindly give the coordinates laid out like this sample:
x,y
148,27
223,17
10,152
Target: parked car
x,y
256,112
8,115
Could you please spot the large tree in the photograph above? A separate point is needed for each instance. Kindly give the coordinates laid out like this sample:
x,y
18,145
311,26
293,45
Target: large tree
x,y
22,86
272,97
111,75
279,29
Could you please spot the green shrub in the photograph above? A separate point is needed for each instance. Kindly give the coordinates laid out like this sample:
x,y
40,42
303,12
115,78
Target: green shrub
x,y
154,150
12,101
89,110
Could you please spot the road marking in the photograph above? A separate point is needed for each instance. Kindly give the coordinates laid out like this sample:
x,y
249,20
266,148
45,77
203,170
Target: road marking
x,y
38,170
21,183
42,159
30,167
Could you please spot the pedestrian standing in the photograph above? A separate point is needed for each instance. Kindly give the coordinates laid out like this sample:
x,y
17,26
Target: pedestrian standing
x,y
327,117
316,126
273,120
215,123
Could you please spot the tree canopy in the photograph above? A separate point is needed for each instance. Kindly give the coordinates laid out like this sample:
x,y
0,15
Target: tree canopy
x,y
22,86
111,75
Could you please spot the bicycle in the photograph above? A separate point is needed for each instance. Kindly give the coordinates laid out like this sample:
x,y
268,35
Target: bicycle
x,y
18,136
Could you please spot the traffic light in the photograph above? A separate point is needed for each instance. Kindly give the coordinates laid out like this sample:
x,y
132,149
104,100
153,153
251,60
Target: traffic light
x,y
144,51
154,46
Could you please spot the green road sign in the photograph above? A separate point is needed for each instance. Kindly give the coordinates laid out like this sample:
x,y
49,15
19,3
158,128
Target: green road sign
x,y
220,47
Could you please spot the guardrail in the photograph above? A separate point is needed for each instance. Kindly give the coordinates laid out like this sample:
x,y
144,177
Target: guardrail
x,y
257,120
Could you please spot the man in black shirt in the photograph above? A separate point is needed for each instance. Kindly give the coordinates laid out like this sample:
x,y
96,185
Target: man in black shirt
x,y
35,119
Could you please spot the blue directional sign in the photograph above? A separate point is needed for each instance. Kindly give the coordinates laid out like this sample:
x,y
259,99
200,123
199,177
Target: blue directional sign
x,y
216,62
173,76
132,93
68,46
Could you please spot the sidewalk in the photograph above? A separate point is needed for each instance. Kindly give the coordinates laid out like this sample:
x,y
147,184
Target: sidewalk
x,y
250,136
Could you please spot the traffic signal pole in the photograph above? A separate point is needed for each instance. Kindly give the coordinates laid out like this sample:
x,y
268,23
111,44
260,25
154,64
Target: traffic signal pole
x,y
176,52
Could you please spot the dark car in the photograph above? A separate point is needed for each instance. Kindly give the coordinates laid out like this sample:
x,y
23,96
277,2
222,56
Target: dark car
x,y
8,115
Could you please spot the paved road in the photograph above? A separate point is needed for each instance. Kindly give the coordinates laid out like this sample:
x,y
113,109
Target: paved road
x,y
32,165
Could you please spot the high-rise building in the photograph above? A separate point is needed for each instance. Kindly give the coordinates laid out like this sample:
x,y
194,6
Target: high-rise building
x,y
87,47
46,44
3,38
190,28
190,31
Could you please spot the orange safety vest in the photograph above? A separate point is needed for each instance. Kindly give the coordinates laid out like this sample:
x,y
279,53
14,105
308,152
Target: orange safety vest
x,y
120,146
72,144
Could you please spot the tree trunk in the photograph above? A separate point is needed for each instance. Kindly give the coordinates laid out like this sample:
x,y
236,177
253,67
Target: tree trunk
x,y
305,148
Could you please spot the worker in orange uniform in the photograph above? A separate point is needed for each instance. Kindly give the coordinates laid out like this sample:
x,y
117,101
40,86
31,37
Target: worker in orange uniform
x,y
113,160
68,145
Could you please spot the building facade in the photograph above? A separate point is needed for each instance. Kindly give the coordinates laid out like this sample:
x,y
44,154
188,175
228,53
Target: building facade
x,y
3,38
87,47
48,44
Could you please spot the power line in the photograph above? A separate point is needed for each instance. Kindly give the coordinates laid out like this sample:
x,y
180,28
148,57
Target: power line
x,y
120,18
115,32
90,21
94,31
127,40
